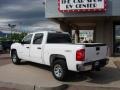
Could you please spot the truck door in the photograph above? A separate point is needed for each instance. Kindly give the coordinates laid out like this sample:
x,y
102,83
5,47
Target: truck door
x,y
36,48
25,47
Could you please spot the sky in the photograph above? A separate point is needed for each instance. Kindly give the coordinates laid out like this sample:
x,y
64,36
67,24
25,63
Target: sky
x,y
27,15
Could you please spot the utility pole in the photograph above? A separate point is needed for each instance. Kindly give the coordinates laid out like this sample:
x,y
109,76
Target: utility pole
x,y
11,29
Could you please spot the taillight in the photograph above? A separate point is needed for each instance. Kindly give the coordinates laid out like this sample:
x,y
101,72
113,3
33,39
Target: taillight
x,y
80,55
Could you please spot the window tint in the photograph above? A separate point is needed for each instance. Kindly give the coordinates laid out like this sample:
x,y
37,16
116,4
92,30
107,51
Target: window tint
x,y
38,38
27,39
58,38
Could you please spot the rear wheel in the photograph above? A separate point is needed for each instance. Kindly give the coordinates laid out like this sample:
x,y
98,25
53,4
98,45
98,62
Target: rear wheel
x,y
15,58
59,70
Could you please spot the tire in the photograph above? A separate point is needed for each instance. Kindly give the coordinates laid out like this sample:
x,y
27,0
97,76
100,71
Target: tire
x,y
15,58
59,70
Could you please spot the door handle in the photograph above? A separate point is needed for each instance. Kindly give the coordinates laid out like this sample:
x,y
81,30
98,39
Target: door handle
x,y
38,48
27,47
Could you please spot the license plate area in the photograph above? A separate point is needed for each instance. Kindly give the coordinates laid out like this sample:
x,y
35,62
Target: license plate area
x,y
88,67
91,65
95,64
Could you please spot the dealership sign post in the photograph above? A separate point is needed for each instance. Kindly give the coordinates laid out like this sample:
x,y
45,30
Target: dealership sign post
x,y
82,5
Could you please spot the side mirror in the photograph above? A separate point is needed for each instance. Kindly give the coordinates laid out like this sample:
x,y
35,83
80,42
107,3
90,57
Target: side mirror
x,y
22,42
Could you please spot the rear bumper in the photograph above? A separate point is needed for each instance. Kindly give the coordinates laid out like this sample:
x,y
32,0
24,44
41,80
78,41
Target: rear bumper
x,y
95,65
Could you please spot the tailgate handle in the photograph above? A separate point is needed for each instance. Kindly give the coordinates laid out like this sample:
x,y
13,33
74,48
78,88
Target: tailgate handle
x,y
97,48
38,47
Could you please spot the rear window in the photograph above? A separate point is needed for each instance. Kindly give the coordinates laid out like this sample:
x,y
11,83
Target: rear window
x,y
58,38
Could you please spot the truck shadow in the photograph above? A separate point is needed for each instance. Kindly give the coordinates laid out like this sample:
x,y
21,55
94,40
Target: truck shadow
x,y
105,76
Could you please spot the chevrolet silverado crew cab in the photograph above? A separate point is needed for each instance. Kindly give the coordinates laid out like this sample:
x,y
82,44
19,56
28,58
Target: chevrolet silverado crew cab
x,y
56,50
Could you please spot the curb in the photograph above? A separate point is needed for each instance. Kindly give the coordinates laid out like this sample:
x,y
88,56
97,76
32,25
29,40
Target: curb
x,y
11,86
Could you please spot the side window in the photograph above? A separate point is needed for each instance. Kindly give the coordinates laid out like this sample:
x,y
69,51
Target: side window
x,y
27,39
38,38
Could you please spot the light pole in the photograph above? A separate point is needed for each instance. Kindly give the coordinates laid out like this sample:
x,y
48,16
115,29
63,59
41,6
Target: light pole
x,y
11,28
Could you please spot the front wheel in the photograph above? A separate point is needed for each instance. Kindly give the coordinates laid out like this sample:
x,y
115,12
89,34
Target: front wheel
x,y
15,58
59,70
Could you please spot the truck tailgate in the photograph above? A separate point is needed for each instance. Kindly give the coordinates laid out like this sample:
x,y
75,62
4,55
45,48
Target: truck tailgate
x,y
95,52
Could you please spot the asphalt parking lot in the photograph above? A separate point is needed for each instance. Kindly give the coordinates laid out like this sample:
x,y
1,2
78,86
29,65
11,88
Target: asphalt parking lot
x,y
4,59
31,76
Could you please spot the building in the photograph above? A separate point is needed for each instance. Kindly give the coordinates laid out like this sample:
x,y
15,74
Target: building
x,y
102,17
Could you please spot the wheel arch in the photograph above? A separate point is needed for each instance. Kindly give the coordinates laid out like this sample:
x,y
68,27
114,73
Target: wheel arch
x,y
55,57
12,50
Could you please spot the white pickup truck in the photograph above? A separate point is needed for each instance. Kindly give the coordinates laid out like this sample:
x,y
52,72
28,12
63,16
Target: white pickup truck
x,y
56,49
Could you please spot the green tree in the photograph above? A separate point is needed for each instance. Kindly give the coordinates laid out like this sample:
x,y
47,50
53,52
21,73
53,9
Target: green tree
x,y
3,39
16,37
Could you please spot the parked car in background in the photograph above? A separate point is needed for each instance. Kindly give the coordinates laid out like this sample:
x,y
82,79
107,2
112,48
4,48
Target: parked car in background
x,y
6,45
1,48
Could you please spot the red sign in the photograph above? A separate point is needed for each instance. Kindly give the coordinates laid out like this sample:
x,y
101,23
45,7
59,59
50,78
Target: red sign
x,y
82,5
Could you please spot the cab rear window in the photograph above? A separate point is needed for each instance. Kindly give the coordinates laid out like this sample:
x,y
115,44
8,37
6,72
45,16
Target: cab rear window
x,y
58,38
